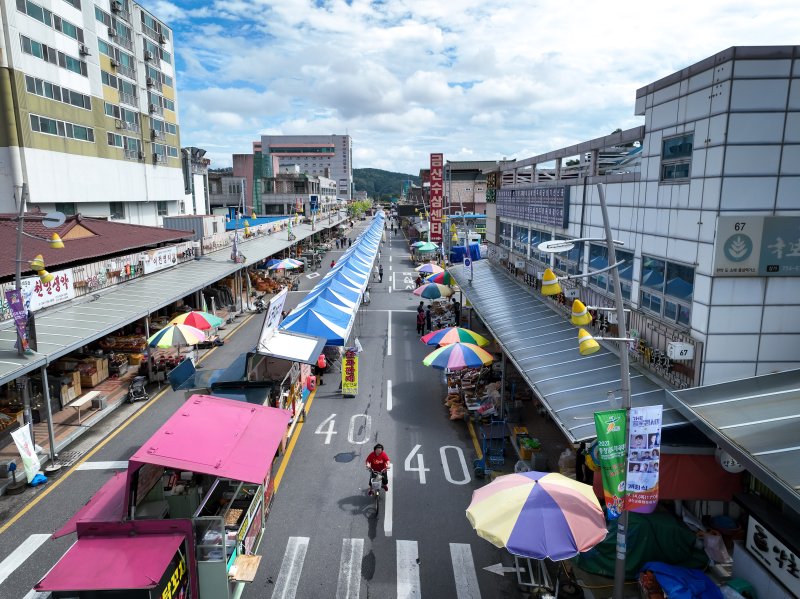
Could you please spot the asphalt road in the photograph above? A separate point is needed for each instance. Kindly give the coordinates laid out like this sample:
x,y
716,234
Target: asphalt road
x,y
323,537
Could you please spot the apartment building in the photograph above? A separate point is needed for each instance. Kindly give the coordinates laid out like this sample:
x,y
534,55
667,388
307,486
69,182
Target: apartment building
x,y
90,120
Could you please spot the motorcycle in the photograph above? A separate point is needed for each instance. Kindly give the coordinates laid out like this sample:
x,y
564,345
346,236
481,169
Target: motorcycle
x,y
258,305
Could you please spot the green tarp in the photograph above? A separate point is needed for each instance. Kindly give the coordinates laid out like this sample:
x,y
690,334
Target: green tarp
x,y
655,537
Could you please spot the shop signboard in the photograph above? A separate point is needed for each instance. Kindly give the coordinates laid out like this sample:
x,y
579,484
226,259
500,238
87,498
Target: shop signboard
x,y
174,584
159,259
38,295
610,429
437,198
777,558
644,455
273,318
547,205
757,246
350,374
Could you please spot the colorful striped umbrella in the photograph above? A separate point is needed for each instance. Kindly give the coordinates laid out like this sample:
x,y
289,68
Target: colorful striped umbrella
x,y
458,356
538,515
433,291
450,335
285,264
175,335
429,267
199,320
443,278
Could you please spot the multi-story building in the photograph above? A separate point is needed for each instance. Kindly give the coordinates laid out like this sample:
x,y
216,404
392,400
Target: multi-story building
x,y
294,191
224,189
90,120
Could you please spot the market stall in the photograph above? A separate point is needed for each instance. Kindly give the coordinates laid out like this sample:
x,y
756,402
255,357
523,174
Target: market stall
x,y
192,505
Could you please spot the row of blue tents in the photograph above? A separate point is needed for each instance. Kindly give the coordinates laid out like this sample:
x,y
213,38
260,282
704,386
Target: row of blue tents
x,y
329,309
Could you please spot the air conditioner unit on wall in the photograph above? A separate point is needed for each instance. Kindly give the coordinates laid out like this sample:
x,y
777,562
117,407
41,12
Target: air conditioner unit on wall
x,y
148,55
161,39
150,82
116,5
84,50
118,124
112,32
114,63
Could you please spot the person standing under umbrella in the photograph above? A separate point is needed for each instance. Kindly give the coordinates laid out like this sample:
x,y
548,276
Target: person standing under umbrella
x,y
428,319
457,311
420,322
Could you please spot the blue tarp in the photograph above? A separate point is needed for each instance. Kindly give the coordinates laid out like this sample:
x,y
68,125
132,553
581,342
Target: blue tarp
x,y
683,583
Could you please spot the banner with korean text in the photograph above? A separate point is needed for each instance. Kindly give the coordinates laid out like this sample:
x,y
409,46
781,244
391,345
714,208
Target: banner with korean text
x,y
437,197
610,429
350,374
644,455
38,295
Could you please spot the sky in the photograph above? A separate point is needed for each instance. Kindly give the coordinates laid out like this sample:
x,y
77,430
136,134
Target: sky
x,y
473,79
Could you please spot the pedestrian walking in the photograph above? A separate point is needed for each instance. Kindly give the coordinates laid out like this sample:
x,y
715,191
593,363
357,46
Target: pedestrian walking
x,y
336,241
320,367
420,322
380,273
349,241
418,283
428,320
457,311
333,263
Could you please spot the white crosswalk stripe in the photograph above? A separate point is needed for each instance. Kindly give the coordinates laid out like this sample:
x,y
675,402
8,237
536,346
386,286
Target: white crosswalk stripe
x,y
349,585
18,557
408,570
291,567
464,571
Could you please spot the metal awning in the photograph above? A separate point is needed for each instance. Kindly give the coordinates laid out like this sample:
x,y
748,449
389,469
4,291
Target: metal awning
x,y
757,421
68,327
543,346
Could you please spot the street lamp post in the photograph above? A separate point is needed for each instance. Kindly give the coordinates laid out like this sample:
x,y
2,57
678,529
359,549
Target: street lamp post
x,y
624,363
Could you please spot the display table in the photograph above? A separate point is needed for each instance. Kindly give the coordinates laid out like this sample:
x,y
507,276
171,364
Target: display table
x,y
83,401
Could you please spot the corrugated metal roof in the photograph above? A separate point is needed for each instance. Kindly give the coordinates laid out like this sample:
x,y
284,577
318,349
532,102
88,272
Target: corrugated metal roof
x,y
757,421
543,346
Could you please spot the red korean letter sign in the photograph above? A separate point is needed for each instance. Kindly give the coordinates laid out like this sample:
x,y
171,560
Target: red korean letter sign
x,y
437,195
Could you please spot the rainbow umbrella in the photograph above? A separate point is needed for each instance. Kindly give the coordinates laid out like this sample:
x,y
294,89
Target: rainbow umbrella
x,y
458,356
175,335
443,278
538,515
433,291
285,264
198,320
430,268
450,335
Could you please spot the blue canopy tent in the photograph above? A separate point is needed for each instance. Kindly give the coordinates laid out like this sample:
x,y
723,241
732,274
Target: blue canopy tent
x,y
310,322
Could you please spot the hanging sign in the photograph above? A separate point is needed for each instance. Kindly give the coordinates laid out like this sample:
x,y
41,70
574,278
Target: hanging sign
x,y
468,268
155,260
38,295
17,309
610,429
30,461
644,455
350,374
776,557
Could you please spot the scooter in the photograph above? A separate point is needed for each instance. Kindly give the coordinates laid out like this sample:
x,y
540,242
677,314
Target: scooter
x,y
259,305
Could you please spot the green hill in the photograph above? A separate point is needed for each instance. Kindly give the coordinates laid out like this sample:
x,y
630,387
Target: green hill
x,y
379,184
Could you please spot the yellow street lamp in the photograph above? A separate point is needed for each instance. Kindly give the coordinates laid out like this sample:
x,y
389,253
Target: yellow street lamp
x,y
56,243
580,314
586,343
37,264
550,284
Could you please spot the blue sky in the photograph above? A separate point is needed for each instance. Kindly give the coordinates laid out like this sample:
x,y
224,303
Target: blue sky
x,y
473,79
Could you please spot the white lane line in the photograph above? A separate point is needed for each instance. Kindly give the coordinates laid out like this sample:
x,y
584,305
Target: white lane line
x,y
103,466
407,570
388,503
18,557
464,571
389,395
291,567
389,335
390,259
349,585
36,595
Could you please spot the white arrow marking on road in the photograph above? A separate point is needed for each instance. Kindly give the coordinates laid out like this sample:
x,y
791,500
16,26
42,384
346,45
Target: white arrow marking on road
x,y
313,275
291,567
464,571
103,466
349,585
407,570
501,569
20,555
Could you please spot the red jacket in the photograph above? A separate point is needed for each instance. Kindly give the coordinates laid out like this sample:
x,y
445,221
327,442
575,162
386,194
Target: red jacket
x,y
379,463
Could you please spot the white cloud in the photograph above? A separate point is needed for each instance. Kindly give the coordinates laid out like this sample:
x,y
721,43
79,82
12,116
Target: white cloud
x,y
472,79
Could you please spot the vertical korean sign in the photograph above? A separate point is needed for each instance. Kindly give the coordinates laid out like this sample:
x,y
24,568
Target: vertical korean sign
x,y
644,455
350,374
19,313
437,197
610,429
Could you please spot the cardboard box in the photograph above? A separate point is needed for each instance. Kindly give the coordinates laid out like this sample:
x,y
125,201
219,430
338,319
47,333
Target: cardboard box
x,y
90,380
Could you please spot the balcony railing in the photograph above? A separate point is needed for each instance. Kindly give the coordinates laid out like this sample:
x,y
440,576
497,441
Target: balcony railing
x,y
128,99
127,71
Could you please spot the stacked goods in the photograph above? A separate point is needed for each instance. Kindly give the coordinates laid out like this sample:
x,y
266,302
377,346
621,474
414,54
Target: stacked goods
x,y
456,406
124,343
264,284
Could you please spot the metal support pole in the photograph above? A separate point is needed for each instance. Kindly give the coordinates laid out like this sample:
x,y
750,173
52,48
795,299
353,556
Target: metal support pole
x,y
27,414
149,356
503,387
53,466
625,374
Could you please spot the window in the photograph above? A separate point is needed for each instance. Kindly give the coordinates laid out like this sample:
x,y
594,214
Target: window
x,y
667,289
114,140
162,208
67,208
520,241
505,234
598,259
172,152
169,104
75,3
112,111
116,210
676,158
43,15
172,129
49,126
569,262
109,79
53,56
46,89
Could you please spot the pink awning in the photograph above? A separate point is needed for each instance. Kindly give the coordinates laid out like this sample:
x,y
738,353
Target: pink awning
x,y
109,563
218,437
107,505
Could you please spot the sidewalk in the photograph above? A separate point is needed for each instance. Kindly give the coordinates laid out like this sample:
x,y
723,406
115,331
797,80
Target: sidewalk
x,y
67,429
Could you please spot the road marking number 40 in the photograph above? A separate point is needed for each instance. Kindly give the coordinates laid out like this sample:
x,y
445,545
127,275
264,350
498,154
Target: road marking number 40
x,y
357,433
421,469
